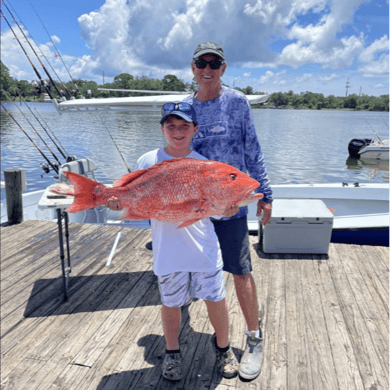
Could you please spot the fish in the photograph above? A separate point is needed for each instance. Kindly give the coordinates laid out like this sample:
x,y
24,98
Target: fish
x,y
183,190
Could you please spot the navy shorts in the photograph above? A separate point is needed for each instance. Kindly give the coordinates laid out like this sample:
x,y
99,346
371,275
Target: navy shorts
x,y
233,239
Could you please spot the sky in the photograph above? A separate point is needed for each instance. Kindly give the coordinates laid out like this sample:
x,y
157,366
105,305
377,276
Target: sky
x,y
270,45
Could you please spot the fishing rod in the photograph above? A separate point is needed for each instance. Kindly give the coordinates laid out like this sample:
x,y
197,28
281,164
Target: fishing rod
x,y
58,52
63,155
35,69
46,169
60,94
114,142
36,131
373,130
58,77
69,157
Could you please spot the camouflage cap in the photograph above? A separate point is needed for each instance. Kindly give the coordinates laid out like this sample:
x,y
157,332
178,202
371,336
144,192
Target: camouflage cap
x,y
209,48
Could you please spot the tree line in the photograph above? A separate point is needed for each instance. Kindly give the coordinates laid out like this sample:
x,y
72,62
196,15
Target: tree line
x,y
89,89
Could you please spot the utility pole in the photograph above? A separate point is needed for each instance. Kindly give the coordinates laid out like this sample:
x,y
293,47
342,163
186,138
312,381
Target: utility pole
x,y
347,86
103,76
360,92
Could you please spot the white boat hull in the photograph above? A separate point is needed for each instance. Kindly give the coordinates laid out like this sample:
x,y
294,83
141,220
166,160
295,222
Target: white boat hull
x,y
363,208
375,151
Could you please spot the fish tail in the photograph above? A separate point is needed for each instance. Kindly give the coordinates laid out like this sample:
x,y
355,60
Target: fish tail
x,y
87,193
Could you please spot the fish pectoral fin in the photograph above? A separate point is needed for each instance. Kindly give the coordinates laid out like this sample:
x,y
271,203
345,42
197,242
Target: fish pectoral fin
x,y
127,214
196,205
188,223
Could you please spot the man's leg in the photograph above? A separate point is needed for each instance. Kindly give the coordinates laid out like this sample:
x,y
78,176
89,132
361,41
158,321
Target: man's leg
x,y
246,294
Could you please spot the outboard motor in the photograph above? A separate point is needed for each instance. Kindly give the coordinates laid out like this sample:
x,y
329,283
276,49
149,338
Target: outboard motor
x,y
356,145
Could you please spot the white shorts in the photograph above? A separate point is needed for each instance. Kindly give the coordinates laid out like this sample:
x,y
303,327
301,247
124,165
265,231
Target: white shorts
x,y
177,288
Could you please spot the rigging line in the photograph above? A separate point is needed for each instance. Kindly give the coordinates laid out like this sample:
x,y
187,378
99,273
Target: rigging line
x,y
60,94
21,97
40,151
372,129
58,52
35,130
29,33
114,142
52,132
35,69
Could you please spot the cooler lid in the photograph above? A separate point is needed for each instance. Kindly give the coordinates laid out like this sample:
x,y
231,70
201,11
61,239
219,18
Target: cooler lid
x,y
302,210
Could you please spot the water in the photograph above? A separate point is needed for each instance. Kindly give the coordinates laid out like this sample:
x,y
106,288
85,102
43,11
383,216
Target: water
x,y
299,146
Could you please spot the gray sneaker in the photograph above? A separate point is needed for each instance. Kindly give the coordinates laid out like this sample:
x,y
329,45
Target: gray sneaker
x,y
252,359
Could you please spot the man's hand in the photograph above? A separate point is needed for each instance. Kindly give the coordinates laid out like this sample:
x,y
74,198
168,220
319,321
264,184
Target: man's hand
x,y
114,204
230,211
265,209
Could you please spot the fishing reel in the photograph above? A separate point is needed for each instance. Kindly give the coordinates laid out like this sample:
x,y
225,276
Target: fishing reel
x,y
71,158
54,165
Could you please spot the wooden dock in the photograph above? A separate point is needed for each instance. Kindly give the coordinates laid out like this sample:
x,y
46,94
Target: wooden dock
x,y
325,318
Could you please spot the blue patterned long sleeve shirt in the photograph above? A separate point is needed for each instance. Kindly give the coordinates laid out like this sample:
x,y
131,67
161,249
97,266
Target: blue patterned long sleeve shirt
x,y
227,133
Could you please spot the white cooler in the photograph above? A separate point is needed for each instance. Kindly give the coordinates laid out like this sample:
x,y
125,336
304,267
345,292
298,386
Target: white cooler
x,y
297,226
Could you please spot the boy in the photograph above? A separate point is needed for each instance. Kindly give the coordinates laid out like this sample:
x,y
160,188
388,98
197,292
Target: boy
x,y
188,261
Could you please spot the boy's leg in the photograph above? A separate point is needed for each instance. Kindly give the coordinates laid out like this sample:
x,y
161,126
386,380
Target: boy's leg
x,y
210,287
174,291
171,319
218,314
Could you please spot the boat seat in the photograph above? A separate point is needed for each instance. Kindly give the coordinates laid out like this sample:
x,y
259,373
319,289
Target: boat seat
x,y
84,166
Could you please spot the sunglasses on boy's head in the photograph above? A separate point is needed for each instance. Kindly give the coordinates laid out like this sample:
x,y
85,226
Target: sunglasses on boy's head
x,y
181,106
214,64
176,108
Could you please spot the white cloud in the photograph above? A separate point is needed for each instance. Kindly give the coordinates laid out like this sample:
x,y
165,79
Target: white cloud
x,y
247,74
374,59
268,75
331,77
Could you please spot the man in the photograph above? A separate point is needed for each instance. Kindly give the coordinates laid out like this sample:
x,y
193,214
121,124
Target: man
x,y
226,133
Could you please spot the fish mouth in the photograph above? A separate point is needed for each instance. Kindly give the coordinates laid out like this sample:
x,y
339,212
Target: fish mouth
x,y
248,193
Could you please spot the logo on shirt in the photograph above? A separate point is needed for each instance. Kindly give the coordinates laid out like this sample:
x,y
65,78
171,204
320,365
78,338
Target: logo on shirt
x,y
215,129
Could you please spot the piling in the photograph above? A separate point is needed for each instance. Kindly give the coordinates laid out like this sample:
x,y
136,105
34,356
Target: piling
x,y
13,195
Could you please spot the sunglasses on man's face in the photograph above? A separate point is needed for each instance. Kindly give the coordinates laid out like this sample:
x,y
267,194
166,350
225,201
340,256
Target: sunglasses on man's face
x,y
214,64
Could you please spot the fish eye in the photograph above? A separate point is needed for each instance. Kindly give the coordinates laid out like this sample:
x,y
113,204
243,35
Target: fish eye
x,y
233,176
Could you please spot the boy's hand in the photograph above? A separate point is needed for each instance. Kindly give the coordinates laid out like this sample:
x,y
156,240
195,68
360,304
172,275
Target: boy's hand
x,y
266,209
114,204
230,211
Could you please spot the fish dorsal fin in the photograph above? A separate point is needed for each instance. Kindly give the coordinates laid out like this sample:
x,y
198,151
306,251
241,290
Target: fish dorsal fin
x,y
128,178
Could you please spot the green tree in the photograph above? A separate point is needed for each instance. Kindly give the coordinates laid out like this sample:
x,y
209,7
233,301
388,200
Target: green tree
x,y
171,83
279,99
350,101
7,83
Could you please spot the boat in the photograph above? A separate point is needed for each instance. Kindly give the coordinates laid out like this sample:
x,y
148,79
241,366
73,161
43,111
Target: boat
x,y
378,150
133,103
361,210
368,149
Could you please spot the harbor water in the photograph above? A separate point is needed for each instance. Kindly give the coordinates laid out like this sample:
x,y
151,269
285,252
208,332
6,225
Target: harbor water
x,y
299,146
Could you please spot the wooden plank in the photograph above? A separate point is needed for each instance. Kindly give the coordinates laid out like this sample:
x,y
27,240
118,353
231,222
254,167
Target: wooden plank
x,y
39,328
366,358
348,375
275,372
52,285
34,257
376,324
379,269
299,372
